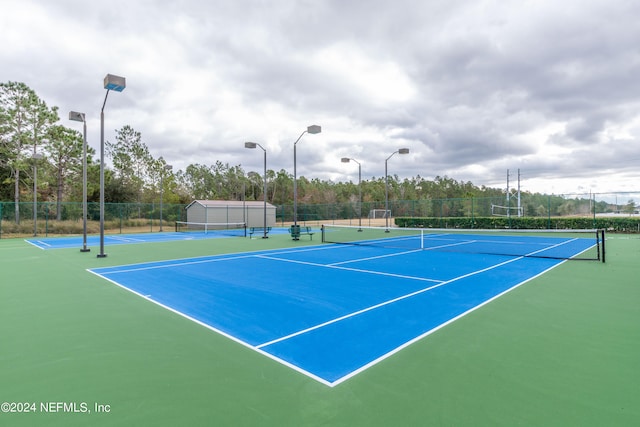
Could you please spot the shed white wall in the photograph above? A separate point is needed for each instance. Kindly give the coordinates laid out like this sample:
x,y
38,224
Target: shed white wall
x,y
252,214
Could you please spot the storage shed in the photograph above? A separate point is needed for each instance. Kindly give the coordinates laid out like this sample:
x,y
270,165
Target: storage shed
x,y
231,211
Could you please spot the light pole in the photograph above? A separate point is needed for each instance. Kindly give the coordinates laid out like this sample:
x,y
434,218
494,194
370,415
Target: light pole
x,y
313,129
386,185
118,84
165,168
35,157
80,117
254,145
347,160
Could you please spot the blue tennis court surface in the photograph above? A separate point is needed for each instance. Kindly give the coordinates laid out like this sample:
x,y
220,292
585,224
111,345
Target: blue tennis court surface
x,y
328,311
129,239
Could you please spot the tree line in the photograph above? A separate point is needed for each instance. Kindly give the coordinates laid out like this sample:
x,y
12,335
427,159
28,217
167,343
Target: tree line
x,y
29,128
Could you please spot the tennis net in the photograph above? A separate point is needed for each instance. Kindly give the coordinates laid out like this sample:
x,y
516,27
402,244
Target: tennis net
x,y
223,228
556,244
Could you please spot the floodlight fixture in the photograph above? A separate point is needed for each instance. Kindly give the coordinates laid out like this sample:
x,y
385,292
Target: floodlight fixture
x,y
386,185
76,117
113,82
347,160
116,83
313,129
253,145
80,117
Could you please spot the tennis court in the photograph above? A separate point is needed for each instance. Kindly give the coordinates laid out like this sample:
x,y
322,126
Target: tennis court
x,y
185,231
560,350
332,311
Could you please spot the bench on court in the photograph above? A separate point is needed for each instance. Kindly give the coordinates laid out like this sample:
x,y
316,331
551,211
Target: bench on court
x,y
301,230
259,230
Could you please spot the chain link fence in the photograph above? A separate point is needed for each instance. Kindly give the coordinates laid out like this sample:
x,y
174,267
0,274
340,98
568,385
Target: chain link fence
x,y
527,205
66,218
50,218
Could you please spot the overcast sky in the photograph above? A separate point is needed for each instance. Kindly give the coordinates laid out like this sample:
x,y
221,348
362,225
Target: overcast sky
x,y
472,88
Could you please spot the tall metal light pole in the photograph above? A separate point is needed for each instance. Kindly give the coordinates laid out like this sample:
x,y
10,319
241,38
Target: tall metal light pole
x,y
118,84
165,168
313,129
254,145
386,185
346,160
80,117
35,157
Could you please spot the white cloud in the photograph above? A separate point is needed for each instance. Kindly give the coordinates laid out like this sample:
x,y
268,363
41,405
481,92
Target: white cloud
x,y
377,81
471,87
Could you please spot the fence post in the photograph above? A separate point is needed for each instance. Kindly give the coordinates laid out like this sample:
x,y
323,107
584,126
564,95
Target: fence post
x,y
473,218
594,210
549,213
46,220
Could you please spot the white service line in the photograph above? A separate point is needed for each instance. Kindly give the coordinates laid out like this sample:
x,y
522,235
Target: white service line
x,y
382,304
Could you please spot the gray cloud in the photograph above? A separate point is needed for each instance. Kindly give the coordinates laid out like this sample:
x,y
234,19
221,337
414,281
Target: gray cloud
x,y
473,88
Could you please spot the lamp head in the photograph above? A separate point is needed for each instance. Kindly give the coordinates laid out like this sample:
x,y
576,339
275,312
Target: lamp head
x,y
116,83
345,160
76,117
313,129
403,151
250,145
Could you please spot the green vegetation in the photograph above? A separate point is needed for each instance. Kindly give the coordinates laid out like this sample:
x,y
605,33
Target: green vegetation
x,y
624,224
132,184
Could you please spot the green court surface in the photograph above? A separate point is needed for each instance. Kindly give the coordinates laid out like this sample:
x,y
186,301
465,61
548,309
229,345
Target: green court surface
x,y
561,350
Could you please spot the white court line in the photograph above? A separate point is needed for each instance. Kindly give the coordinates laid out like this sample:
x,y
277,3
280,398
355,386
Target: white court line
x,y
259,348
34,244
219,331
391,301
382,304
374,257
499,242
359,270
154,267
125,239
466,242
440,326
196,260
